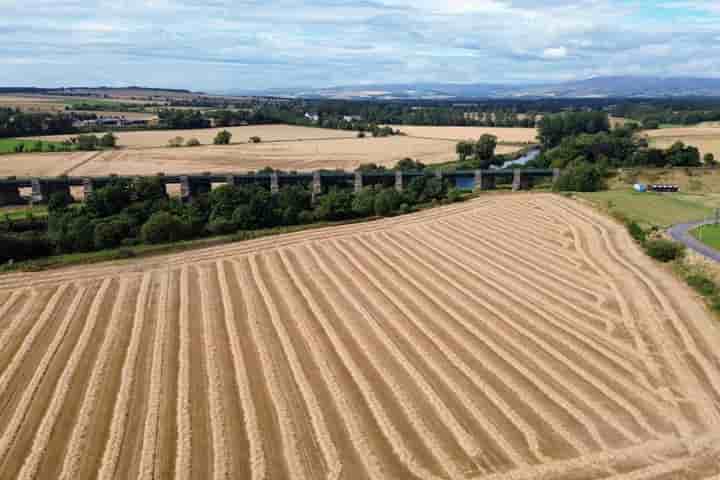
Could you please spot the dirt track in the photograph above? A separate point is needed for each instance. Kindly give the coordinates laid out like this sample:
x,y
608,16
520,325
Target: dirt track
x,y
513,337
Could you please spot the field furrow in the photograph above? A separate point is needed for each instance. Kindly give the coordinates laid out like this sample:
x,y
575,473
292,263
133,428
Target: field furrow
x,y
398,441
561,364
436,444
495,439
78,445
113,447
13,426
295,457
217,413
511,337
598,369
256,457
448,348
183,455
333,465
42,437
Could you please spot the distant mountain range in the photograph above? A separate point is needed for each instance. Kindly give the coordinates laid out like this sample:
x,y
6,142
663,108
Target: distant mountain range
x,y
598,87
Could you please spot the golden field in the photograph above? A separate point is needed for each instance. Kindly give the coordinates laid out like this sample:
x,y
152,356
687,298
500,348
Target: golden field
x,y
305,155
510,337
268,133
706,138
504,134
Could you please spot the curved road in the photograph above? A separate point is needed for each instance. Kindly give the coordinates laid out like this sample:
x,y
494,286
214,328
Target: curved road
x,y
681,233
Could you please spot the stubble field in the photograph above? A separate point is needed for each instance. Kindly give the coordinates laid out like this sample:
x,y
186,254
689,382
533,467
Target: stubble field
x,y
268,133
504,134
512,337
706,138
305,155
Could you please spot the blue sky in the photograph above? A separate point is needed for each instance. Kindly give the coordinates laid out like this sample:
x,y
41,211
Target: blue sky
x,y
216,45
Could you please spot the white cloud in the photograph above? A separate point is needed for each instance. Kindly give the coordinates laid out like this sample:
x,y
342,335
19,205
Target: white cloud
x,y
275,43
555,53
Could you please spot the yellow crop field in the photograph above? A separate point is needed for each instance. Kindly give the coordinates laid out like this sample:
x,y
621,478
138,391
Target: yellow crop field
x,y
705,138
160,138
343,153
504,134
510,337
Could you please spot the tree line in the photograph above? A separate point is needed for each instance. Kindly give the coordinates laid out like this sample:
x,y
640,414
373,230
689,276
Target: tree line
x,y
126,214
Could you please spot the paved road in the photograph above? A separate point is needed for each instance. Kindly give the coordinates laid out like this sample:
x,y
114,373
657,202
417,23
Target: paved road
x,y
681,233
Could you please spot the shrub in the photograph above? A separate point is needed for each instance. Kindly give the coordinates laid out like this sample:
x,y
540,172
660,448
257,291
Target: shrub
x,y
59,201
108,140
664,250
222,226
87,142
454,195
111,233
306,216
193,142
636,231
361,135
125,253
163,227
580,176
24,247
245,217
222,138
363,204
335,205
702,284
255,139
387,202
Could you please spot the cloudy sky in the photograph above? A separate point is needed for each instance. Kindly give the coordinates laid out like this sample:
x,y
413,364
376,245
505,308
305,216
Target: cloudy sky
x,y
217,45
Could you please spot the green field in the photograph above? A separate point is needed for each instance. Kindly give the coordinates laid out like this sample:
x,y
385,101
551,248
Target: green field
x,y
655,209
8,145
23,212
708,234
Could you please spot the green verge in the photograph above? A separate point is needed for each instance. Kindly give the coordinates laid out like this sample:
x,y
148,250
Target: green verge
x,y
7,145
144,251
708,234
651,209
23,212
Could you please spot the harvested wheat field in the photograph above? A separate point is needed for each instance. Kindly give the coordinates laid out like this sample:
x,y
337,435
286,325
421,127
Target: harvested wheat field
x,y
705,138
306,155
268,133
511,337
504,134
43,164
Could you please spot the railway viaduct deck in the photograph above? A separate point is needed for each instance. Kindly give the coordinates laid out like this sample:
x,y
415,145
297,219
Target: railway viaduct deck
x,y
192,185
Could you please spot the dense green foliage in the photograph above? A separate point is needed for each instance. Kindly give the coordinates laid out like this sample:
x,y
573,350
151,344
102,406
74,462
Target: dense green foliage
x,y
223,137
125,213
554,128
581,177
15,123
664,250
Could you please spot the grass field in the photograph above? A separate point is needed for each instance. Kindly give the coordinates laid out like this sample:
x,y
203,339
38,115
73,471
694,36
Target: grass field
x,y
515,336
8,145
22,212
708,234
656,209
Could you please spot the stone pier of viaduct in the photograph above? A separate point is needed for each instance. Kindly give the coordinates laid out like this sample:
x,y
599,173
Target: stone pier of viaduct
x,y
193,185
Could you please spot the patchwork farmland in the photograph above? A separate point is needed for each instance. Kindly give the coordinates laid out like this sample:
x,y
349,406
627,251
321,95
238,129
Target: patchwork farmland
x,y
518,337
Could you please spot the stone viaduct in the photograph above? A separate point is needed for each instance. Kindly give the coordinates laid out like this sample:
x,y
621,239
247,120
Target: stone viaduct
x,y
194,185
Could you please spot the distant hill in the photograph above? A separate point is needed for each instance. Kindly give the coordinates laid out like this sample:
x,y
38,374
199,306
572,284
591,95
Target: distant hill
x,y
598,87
